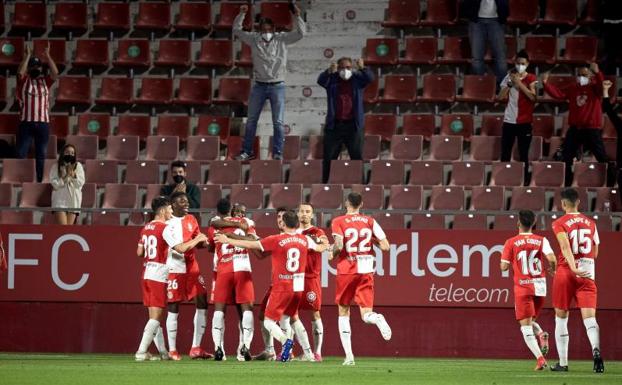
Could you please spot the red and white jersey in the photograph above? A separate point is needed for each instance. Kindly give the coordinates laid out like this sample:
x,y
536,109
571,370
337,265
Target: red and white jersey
x,y
178,231
582,235
526,253
519,109
227,258
289,260
314,259
33,96
357,230
155,250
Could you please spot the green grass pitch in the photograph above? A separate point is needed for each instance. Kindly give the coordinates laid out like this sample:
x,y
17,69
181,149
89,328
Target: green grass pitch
x,y
50,369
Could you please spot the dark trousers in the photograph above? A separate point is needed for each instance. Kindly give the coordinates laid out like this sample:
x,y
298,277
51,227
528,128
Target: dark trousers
x,y
344,132
38,131
588,138
522,134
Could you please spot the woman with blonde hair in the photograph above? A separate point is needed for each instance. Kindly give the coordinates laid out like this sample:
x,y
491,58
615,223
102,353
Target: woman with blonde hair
x,y
67,179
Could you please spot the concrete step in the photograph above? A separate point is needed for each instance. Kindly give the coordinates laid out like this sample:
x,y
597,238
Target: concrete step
x,y
343,12
319,53
313,4
334,40
356,28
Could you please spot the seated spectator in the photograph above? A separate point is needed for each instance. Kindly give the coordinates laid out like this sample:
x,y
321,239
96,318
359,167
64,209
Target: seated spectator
x,y
178,173
67,179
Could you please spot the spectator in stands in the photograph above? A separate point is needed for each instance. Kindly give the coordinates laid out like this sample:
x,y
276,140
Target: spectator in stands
x,y
269,54
32,93
345,117
611,10
617,123
178,173
487,24
67,179
519,87
585,115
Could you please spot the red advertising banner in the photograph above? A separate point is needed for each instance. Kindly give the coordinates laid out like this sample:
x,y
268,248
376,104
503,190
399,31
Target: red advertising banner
x,y
438,268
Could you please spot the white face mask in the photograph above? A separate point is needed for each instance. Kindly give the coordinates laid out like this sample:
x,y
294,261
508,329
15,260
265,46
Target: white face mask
x,y
583,80
267,36
345,74
521,68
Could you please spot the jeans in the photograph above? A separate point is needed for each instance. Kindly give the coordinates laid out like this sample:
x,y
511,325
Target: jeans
x,y
261,92
491,31
344,132
590,138
40,132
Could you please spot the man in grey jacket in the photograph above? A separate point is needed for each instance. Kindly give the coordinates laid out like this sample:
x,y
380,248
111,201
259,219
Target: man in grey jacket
x,y
269,53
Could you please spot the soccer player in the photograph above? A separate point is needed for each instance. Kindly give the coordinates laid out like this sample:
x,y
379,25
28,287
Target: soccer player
x,y
185,282
289,258
574,278
525,253
312,296
355,269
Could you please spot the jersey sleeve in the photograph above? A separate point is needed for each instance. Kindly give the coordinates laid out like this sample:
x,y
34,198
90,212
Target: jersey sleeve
x,y
268,243
377,230
596,237
546,247
531,79
172,235
335,228
506,255
251,227
557,228
311,245
195,226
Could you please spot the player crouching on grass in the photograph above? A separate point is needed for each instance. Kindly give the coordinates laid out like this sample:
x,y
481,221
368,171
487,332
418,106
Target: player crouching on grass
x,y
525,253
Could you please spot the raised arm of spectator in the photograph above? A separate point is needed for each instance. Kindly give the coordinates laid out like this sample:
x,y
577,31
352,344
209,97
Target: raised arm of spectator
x,y
552,90
608,108
23,66
299,31
598,76
53,68
364,76
326,77
238,27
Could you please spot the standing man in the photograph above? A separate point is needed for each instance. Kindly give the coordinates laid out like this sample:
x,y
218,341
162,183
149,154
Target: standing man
x,y
269,53
525,253
345,117
181,184
615,119
355,269
574,279
33,96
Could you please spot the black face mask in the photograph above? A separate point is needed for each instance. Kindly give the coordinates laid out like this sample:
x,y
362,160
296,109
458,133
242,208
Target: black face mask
x,y
34,73
178,179
69,159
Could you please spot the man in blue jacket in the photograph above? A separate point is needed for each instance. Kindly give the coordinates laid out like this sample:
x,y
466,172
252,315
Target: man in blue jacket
x,y
345,117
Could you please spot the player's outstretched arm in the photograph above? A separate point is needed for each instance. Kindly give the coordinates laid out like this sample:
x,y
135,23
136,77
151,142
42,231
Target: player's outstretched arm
x,y
505,266
249,237
337,246
564,245
251,245
384,244
140,251
183,247
223,223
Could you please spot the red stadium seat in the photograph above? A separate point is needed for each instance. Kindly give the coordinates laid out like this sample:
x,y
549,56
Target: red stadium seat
x,y
86,145
70,16
305,172
419,124
438,88
117,91
214,125
6,194
155,91
215,53
101,171
604,223
202,148
584,204
387,172
89,195
547,174
194,16
383,51
91,53
29,17
122,148
249,195
420,49
234,146
278,12
194,91
210,195
105,218
291,147
590,174
427,222
36,195
535,149
153,16
406,147
120,195
544,126
485,148
316,147
371,147
173,53
18,171
265,171
426,173
527,198
372,91
13,52
405,198
457,50
592,13
384,125
139,125
402,14
112,16
441,13
75,90
9,123
560,12
510,50
162,148
228,12
233,91
373,196
487,198
94,124
447,198
59,125
57,51
492,125
523,12
468,174
399,89
505,222
326,196
285,195
245,58
346,172
507,174
3,98
16,217
608,199
389,221
174,125
579,50
457,124
133,53
470,222
541,49
142,172
478,89
225,172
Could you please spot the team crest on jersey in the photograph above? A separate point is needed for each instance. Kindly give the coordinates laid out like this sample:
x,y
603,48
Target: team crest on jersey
x,y
311,296
189,226
169,295
581,100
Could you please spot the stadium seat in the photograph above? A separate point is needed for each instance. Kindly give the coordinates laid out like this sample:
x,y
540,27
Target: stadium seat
x,y
139,125
419,49
8,217
402,14
29,16
584,205
3,92
305,172
427,222
608,200
468,174
6,194
387,172
541,49
447,198
228,12
604,223
527,198
535,149
544,126
122,148
487,198
194,16
13,48
175,125
105,218
492,125
36,195
470,222
426,173
162,148
224,172
155,91
547,174
291,147
485,148
523,12
555,145
249,195
91,53
9,123
52,148
382,51
447,148
120,195
57,51
478,89
59,125
153,16
457,50
74,90
373,195
233,91
389,221
405,198
245,58
18,171
101,171
609,130
285,195
457,124
441,13
86,145
438,88
265,220
173,53
591,13
133,53
507,174
94,124
560,12
142,172
215,53
265,172
89,195
193,172
210,195
316,147
194,91
138,218
202,148
579,50
234,146
70,17
326,196
117,91
511,46
214,125
406,147
590,174
370,95
384,125
112,16
399,89
419,124
346,172
371,147
278,12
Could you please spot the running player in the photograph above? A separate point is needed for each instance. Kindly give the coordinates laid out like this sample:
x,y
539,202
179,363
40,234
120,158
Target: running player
x,y
185,282
355,269
574,279
525,253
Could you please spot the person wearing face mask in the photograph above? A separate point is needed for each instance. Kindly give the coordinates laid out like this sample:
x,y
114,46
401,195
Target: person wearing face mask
x,y
67,179
345,116
585,115
181,184
33,93
269,55
519,88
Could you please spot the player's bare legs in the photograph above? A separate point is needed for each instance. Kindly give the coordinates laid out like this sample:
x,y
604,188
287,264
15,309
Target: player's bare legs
x,y
345,334
218,330
149,333
200,321
526,328
318,334
171,330
370,317
593,334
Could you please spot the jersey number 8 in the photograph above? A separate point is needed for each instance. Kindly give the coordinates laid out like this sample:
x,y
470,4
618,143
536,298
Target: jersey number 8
x,y
293,260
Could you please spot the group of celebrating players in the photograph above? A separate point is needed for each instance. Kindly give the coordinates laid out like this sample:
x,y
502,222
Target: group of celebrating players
x,y
171,275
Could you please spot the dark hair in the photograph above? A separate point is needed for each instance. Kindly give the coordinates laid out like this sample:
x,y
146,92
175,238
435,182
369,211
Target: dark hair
x,y
281,209
178,163
522,54
571,195
306,204
223,207
267,21
62,153
290,219
527,219
159,202
176,195
344,58
355,199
